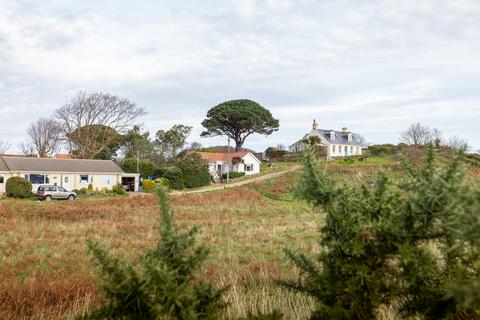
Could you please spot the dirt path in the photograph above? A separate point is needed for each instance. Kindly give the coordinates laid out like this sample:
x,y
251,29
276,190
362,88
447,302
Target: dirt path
x,y
239,183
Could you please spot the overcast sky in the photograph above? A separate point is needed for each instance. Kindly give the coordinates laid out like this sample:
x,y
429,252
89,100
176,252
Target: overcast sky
x,y
372,66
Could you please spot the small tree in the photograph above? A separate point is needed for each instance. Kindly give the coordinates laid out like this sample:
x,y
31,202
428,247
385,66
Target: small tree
x,y
418,134
172,141
457,143
238,119
412,244
164,285
175,178
194,171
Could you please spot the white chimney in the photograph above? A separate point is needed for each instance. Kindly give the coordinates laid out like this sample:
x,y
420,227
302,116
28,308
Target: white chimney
x,y
344,129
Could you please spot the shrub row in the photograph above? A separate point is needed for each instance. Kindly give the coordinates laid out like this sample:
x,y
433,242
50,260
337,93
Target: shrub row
x,y
233,175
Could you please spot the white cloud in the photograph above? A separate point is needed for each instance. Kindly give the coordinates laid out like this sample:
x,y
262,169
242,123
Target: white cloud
x,y
375,66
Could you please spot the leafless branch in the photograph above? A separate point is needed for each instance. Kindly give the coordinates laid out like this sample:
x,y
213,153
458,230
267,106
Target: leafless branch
x,y
45,136
98,114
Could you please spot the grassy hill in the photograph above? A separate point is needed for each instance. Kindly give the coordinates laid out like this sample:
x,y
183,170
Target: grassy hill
x,y
47,274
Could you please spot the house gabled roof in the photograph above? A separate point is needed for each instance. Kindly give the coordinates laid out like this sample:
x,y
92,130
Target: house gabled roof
x,y
219,156
340,137
27,164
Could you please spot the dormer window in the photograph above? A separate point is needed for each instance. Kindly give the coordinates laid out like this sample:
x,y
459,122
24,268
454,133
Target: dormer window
x,y
332,135
350,138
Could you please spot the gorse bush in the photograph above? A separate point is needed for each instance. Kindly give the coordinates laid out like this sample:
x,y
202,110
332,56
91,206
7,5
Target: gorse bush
x,y
148,185
411,244
164,284
118,190
18,187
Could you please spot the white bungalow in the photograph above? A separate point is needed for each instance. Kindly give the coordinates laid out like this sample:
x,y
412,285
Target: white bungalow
x,y
220,163
338,143
67,173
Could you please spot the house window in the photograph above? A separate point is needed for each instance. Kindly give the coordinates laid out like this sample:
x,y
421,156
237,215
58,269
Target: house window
x,y
332,135
351,149
1,178
249,167
66,179
37,178
333,148
106,180
83,179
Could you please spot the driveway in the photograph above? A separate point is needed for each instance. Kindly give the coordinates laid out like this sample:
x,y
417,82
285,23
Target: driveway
x,y
239,183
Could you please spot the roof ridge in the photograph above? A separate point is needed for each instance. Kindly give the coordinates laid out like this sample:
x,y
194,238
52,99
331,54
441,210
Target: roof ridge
x,y
38,158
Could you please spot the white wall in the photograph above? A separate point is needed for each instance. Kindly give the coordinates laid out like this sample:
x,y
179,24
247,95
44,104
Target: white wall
x,y
5,178
340,150
250,160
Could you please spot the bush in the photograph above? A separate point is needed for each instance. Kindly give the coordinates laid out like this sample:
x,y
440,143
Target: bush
x,y
80,192
174,177
148,185
160,172
18,187
90,188
411,244
292,157
382,150
194,171
233,175
146,167
118,189
274,153
164,284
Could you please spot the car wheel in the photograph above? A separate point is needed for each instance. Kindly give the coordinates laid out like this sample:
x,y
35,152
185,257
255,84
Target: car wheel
x,y
71,197
48,198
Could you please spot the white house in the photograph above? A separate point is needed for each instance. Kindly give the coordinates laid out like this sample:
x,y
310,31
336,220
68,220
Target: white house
x,y
68,173
220,163
337,143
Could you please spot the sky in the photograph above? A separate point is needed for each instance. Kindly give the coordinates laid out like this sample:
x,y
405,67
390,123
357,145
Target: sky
x,y
373,66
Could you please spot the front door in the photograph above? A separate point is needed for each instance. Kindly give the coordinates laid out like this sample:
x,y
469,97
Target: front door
x,y
346,150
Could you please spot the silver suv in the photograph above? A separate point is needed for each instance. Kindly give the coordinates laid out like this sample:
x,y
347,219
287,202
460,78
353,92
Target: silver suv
x,y
47,193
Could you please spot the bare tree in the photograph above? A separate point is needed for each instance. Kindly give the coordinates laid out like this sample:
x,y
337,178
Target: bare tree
x,y
29,150
4,146
458,143
418,134
93,118
45,136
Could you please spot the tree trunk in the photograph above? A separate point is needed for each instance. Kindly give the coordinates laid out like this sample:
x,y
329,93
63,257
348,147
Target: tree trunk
x,y
238,145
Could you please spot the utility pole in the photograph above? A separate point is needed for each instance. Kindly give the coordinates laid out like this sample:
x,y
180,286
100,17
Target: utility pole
x,y
138,161
228,161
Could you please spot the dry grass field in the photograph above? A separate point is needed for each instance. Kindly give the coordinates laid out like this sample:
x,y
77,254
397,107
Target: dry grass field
x,y
46,272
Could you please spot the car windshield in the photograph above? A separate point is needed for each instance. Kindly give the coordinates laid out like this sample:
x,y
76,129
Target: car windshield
x,y
40,189
62,189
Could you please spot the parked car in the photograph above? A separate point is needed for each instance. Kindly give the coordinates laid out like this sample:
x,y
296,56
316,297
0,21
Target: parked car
x,y
48,192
